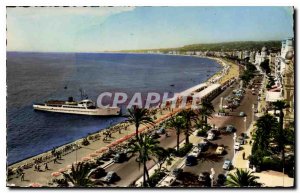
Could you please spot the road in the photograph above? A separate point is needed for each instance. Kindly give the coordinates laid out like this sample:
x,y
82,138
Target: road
x,y
129,171
209,160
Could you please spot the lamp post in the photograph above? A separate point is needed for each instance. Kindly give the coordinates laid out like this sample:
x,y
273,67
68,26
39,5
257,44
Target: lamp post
x,y
212,176
253,112
75,148
245,121
234,138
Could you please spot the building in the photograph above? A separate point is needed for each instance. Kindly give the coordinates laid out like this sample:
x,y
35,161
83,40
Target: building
x,y
261,57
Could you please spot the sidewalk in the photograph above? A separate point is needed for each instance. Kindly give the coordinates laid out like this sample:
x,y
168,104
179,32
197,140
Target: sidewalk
x,y
267,178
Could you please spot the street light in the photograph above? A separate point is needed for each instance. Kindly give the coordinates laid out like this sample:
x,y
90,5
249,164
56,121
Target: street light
x,y
234,138
75,148
245,121
253,111
212,176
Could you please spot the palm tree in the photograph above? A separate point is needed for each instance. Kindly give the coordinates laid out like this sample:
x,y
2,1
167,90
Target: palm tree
x,y
79,175
163,156
206,109
176,123
281,105
242,178
138,116
265,125
188,116
146,147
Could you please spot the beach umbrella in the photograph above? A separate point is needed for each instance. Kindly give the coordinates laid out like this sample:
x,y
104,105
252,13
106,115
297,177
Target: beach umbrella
x,y
35,185
93,155
85,158
62,170
69,166
56,174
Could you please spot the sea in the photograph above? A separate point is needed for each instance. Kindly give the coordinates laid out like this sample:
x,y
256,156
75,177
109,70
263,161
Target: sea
x,y
38,77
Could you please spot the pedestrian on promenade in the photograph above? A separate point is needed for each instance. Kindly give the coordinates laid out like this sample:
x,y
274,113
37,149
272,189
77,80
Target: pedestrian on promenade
x,y
243,155
54,161
46,166
22,176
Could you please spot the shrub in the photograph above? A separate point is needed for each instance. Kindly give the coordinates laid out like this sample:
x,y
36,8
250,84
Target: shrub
x,y
184,150
85,142
155,178
202,133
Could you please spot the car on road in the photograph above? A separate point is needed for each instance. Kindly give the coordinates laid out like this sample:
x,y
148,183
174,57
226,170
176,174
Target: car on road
x,y
230,128
242,114
177,172
120,157
204,176
190,160
111,177
220,150
240,140
210,136
167,181
237,146
203,146
195,152
161,131
227,164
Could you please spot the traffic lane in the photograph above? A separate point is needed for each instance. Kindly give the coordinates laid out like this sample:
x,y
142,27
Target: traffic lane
x,y
210,159
130,171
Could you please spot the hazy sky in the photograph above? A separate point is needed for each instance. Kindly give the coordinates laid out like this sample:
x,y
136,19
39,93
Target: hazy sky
x,y
119,28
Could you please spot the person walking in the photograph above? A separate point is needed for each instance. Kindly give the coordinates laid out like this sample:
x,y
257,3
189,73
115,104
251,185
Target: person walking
x,y
46,166
54,161
243,155
22,176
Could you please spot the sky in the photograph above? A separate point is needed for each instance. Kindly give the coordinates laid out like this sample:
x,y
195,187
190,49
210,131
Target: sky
x,y
97,29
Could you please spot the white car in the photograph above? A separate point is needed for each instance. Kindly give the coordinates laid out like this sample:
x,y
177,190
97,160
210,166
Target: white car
x,y
237,146
195,152
210,136
166,182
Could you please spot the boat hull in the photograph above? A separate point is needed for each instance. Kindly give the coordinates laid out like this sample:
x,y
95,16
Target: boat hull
x,y
110,111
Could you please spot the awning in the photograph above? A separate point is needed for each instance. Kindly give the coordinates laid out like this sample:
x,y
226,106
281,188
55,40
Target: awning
x,y
273,96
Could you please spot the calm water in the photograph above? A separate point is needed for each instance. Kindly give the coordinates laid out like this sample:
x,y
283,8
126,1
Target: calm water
x,y
37,77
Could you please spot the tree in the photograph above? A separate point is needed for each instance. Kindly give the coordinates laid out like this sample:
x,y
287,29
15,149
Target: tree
x,y
265,66
281,137
163,156
79,175
188,116
242,178
205,110
265,125
176,123
138,116
146,147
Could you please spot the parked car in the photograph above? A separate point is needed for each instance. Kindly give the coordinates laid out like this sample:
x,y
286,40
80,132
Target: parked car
x,y
230,128
220,150
177,172
111,176
237,146
167,182
240,140
120,157
203,146
97,172
210,136
190,160
195,152
227,165
161,131
242,114
203,176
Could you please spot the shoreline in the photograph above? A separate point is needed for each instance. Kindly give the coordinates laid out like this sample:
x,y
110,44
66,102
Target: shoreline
x,y
78,141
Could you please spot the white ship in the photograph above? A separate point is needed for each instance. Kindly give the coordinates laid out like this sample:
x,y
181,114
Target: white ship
x,y
83,107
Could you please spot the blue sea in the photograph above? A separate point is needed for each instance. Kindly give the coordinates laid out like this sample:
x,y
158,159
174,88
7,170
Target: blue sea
x,y
38,77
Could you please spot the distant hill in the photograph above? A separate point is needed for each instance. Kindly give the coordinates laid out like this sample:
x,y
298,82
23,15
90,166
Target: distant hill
x,y
225,46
